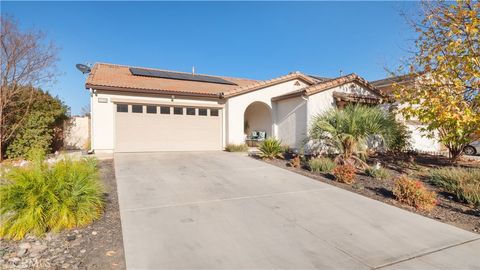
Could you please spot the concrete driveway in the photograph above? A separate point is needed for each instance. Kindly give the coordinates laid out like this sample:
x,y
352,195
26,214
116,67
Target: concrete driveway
x,y
216,210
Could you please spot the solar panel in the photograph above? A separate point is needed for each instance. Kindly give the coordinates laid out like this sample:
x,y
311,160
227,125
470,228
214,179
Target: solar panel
x,y
178,76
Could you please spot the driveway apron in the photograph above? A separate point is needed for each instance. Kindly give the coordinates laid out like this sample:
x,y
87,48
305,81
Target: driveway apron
x,y
218,210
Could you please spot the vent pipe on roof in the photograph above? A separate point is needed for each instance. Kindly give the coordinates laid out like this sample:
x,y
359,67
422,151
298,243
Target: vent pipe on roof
x,y
341,73
193,70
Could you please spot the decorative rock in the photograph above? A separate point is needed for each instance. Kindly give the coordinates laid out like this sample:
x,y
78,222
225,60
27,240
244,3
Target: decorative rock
x,y
24,246
71,237
21,252
14,260
37,250
94,233
83,251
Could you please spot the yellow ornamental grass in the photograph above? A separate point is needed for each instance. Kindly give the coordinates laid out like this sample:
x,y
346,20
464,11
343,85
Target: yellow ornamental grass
x,y
41,198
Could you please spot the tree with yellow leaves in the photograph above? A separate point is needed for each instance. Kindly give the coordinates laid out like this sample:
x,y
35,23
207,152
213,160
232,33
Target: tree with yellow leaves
x,y
445,95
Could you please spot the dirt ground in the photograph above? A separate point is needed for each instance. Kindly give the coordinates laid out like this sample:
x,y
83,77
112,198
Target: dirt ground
x,y
448,209
97,246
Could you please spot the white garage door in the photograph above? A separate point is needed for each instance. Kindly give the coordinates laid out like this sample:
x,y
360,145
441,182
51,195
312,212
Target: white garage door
x,y
145,128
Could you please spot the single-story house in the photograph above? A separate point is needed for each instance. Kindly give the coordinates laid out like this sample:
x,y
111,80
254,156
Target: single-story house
x,y
142,109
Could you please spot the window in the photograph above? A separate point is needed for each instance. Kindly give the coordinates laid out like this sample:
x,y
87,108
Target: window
x,y
137,109
165,110
202,111
177,110
190,111
213,112
122,108
151,109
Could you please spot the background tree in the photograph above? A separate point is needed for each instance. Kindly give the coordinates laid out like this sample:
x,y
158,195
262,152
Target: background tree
x,y
42,127
445,97
27,61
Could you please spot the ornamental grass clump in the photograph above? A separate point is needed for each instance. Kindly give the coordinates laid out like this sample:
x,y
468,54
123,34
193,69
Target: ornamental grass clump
x,y
41,197
321,164
271,148
236,147
463,182
412,192
377,173
344,173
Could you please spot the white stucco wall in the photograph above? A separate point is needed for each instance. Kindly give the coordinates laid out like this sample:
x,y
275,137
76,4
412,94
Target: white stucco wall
x,y
235,107
420,141
292,121
103,113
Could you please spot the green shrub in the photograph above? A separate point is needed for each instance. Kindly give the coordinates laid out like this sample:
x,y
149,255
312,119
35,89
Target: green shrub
x,y
236,148
463,182
41,128
398,139
321,164
412,192
41,198
271,148
344,173
377,173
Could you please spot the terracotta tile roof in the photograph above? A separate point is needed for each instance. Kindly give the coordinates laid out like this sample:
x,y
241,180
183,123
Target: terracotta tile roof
x,y
328,84
262,84
119,78
386,85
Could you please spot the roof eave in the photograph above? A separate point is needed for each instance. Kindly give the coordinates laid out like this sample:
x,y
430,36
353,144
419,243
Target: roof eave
x,y
287,96
151,91
260,85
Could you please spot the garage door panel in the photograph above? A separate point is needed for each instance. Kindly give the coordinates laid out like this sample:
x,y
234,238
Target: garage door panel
x,y
159,132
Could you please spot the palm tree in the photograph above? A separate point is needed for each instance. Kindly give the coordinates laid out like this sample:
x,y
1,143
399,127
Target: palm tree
x,y
348,130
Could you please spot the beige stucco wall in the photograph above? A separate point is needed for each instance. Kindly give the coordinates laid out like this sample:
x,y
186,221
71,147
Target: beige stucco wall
x,y
292,121
103,114
235,107
77,132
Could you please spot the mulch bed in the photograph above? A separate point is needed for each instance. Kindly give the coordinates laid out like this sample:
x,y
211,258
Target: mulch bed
x,y
97,246
448,210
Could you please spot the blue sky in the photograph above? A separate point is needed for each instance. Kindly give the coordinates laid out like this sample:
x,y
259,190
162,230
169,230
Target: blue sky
x,y
258,40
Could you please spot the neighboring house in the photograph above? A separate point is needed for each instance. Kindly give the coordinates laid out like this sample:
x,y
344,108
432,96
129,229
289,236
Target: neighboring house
x,y
420,139
140,109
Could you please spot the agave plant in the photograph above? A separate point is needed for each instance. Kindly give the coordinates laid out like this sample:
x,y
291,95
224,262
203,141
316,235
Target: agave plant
x,y
271,148
348,129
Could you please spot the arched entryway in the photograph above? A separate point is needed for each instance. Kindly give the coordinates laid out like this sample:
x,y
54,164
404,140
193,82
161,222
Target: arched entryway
x,y
258,118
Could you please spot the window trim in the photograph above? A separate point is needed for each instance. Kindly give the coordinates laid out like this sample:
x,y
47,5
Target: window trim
x,y
189,109
122,104
141,106
166,107
215,109
183,111
150,106
200,109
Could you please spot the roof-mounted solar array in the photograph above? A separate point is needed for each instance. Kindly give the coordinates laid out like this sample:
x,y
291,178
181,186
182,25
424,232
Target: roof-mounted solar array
x,y
178,76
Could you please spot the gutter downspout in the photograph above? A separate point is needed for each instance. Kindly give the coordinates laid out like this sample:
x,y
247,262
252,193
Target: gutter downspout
x,y
91,150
